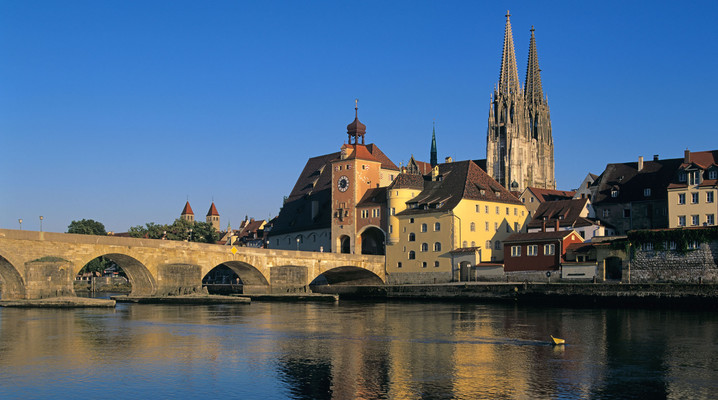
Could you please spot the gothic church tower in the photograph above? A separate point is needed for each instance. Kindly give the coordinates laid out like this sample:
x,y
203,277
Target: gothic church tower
x,y
519,145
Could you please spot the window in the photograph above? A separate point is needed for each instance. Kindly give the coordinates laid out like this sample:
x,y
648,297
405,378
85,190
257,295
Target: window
x,y
473,244
681,220
712,174
647,192
496,226
681,176
507,211
710,219
375,213
412,255
497,245
412,237
606,213
531,200
393,211
692,245
391,228
532,250
477,208
436,264
423,227
411,220
671,245
398,265
627,213
693,178
709,197
424,247
614,193
694,220
488,245
681,198
516,226
472,227
647,247
423,264
694,198
486,225
464,244
437,246
437,227
498,210
508,228
365,213
549,249
486,209
516,211
515,251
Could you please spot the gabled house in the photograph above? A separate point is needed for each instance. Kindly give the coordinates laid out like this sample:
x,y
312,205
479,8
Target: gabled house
x,y
692,192
574,214
533,197
537,251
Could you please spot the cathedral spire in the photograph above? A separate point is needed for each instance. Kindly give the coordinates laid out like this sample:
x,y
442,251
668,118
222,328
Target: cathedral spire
x,y
532,89
433,157
509,75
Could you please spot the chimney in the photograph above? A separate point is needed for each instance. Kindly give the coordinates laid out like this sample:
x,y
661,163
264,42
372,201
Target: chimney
x,y
687,156
640,163
557,225
448,160
543,224
655,157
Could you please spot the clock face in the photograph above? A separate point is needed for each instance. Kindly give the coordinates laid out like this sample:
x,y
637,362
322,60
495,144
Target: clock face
x,y
343,183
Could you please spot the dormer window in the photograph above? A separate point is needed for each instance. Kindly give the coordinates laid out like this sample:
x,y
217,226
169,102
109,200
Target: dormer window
x,y
614,193
647,192
682,176
693,177
713,174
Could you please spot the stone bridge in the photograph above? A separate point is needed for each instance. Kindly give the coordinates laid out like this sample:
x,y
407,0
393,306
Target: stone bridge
x,y
35,265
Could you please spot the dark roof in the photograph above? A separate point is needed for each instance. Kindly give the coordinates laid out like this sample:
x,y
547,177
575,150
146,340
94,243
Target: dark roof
x,y
373,197
550,194
386,163
465,250
567,212
630,182
580,247
457,180
537,236
408,181
316,176
703,160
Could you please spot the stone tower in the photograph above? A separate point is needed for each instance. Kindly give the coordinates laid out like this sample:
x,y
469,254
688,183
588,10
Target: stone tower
x,y
187,213
519,145
213,217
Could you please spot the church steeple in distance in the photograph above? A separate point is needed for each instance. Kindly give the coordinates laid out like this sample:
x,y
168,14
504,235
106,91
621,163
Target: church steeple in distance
x,y
356,128
519,146
433,156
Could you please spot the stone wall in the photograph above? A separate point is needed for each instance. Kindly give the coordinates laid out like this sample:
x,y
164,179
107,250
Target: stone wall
x,y
670,266
418,278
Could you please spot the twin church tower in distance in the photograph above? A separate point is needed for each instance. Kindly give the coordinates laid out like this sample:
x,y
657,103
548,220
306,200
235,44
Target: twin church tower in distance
x,y
519,145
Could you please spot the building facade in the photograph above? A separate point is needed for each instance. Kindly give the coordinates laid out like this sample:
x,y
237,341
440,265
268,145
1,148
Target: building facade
x,y
519,143
693,192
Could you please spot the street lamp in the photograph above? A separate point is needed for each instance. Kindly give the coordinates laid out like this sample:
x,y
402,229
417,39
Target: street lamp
x,y
190,234
20,221
41,218
297,243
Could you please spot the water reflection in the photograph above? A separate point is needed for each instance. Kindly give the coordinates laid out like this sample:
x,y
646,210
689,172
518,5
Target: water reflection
x,y
357,350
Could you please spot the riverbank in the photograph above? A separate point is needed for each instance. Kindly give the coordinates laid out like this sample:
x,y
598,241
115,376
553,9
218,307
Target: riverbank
x,y
59,302
657,294
189,299
292,297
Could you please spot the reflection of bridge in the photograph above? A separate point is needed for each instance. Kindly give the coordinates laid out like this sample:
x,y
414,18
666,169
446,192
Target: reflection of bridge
x,y
36,265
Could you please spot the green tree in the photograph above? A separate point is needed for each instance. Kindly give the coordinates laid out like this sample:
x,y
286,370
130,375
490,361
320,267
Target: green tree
x,y
87,227
180,229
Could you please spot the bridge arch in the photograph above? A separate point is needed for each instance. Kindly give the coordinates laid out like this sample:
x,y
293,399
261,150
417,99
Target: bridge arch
x,y
12,286
252,278
373,240
142,281
347,275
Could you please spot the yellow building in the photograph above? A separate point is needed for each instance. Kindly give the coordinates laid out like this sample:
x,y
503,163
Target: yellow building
x,y
692,194
455,217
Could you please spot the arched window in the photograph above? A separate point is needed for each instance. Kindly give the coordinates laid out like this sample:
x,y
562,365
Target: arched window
x,y
412,255
472,227
464,244
412,237
437,227
437,246
473,244
424,247
488,244
423,227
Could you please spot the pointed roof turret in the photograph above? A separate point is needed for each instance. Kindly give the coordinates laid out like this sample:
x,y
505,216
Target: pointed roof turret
x,y
533,90
356,128
212,211
187,210
433,158
509,74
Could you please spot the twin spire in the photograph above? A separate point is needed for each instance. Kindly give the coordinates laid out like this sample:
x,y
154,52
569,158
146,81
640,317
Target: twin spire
x,y
509,76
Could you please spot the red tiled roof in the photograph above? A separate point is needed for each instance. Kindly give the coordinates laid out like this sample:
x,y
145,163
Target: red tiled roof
x,y
212,211
187,210
361,153
386,163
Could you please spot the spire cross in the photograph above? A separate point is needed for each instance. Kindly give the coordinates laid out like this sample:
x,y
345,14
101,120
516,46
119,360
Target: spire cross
x,y
508,14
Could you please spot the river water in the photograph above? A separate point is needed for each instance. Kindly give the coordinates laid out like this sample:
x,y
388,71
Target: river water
x,y
357,350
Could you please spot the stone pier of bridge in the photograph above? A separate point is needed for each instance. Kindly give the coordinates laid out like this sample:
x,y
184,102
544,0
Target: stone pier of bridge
x,y
36,265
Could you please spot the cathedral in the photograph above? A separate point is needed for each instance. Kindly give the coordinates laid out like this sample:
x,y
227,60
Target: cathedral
x,y
519,146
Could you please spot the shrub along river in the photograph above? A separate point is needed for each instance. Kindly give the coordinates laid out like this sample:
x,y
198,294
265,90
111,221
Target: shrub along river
x,y
357,350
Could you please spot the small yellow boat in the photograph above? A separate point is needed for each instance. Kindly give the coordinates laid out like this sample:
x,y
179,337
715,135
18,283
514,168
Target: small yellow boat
x,y
557,341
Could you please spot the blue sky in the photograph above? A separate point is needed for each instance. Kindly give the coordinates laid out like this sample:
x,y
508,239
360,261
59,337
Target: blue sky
x,y
121,110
